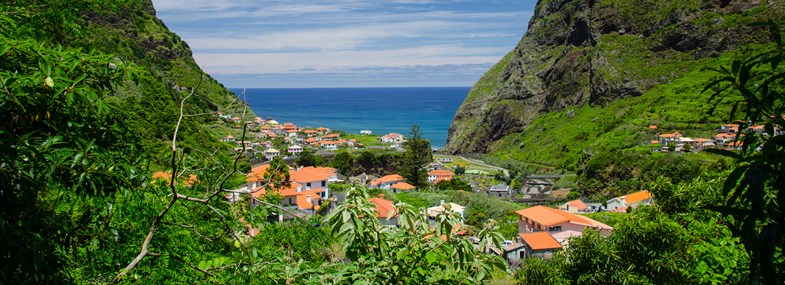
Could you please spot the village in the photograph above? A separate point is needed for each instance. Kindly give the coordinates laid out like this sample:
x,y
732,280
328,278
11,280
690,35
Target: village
x,y
315,190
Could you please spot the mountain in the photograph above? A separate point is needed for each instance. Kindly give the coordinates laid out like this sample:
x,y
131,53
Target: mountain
x,y
162,70
594,74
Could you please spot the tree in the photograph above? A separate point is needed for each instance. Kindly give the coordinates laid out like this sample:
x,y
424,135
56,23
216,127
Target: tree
x,y
308,158
343,162
459,170
418,154
277,175
754,190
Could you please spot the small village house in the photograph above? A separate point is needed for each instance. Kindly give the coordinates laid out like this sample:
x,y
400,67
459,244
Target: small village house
x,y
387,181
385,208
295,149
402,187
632,200
550,220
391,138
574,206
539,244
434,176
500,190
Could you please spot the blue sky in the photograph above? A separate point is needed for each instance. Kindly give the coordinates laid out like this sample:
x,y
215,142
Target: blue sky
x,y
347,43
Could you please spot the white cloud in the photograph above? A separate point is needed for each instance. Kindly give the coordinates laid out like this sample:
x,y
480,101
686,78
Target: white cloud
x,y
335,61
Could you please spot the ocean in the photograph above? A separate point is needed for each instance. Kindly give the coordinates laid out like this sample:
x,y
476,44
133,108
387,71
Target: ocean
x,y
381,110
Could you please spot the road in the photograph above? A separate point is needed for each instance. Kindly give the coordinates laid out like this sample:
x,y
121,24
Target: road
x,y
480,162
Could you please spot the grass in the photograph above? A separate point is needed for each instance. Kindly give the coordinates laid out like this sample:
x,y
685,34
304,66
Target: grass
x,y
559,139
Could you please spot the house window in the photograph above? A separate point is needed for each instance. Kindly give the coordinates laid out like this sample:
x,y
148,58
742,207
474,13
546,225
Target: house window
x,y
308,184
324,183
554,229
521,254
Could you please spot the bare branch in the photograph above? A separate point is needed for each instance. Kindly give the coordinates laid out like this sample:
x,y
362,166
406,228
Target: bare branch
x,y
144,252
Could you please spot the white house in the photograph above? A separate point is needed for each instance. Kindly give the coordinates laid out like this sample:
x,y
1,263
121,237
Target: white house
x,y
391,138
545,219
295,149
633,200
387,181
271,153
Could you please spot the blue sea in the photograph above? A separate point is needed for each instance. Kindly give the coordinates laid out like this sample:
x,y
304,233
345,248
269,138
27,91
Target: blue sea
x,y
381,110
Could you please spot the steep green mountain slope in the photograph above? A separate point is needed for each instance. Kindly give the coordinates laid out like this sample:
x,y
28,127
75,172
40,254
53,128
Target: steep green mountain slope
x,y
162,68
591,75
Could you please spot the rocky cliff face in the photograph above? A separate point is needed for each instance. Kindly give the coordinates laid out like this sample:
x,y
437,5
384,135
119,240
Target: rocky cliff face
x,y
578,52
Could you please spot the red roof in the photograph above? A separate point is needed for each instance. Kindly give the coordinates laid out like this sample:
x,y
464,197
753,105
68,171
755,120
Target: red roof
x,y
637,196
440,172
540,241
384,207
311,174
578,204
548,217
387,179
402,186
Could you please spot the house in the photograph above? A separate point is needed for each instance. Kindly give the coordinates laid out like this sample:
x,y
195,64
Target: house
x,y
729,128
322,130
271,153
402,186
363,179
385,208
310,133
366,132
314,178
228,138
385,182
435,176
236,119
574,206
500,190
539,244
545,219
669,138
331,137
724,138
633,200
391,138
308,187
449,207
513,253
329,145
295,149
444,159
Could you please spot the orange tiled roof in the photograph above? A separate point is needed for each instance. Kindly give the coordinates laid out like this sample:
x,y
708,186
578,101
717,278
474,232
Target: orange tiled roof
x,y
578,204
192,179
310,174
637,196
440,172
402,186
540,241
302,199
387,179
673,135
331,136
440,179
653,127
383,207
548,217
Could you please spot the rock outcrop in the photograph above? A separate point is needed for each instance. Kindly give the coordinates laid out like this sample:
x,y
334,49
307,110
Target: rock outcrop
x,y
578,52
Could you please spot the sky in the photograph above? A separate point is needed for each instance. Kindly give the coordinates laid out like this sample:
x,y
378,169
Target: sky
x,y
347,43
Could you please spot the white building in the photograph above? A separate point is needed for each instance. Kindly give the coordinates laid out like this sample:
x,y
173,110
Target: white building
x,y
391,138
295,149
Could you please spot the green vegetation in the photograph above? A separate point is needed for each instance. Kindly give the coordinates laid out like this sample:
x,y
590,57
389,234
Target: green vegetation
x,y
654,246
